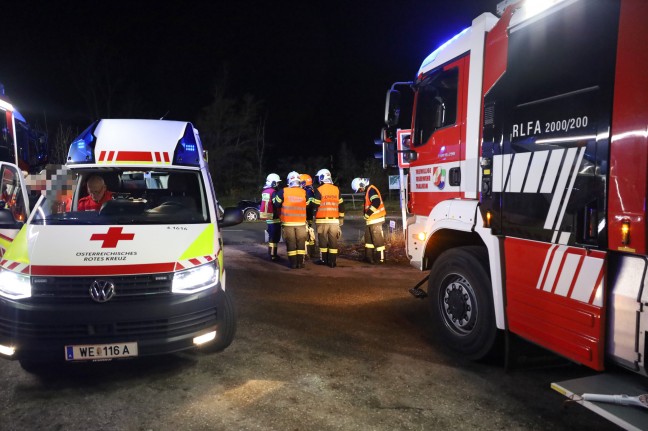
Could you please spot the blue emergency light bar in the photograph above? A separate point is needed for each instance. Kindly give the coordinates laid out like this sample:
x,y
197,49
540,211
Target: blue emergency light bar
x,y
82,148
187,152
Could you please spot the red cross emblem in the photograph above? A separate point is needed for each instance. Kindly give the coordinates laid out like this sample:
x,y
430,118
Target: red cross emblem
x,y
112,237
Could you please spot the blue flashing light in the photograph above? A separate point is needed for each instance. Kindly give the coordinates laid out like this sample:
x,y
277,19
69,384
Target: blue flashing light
x,y
430,58
187,152
82,148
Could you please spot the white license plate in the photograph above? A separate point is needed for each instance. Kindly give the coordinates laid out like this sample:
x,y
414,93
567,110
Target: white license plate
x,y
93,352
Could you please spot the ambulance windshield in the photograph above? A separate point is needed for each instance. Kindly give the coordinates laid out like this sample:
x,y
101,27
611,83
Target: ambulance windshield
x,y
120,196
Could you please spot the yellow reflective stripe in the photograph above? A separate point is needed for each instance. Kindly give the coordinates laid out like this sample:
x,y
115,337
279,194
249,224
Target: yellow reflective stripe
x,y
327,221
369,246
203,245
293,223
333,250
381,248
221,268
375,220
18,250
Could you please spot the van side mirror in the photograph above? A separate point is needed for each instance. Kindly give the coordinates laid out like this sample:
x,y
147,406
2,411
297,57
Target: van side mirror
x,y
392,108
231,217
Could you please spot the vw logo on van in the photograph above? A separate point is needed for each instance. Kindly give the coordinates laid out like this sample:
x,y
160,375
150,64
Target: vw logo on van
x,y
102,290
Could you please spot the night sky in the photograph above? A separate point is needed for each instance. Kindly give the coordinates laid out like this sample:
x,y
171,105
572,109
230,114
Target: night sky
x,y
321,68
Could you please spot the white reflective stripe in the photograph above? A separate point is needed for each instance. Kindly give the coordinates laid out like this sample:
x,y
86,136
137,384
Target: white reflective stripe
x,y
535,171
518,171
506,166
586,282
544,266
575,170
552,171
553,269
559,192
501,165
567,274
564,238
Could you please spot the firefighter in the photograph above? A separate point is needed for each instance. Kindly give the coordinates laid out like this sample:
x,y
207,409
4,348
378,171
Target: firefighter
x,y
329,216
290,203
307,184
374,215
273,223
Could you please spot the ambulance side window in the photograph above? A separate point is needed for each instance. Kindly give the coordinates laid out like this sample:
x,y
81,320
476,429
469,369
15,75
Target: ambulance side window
x,y
11,193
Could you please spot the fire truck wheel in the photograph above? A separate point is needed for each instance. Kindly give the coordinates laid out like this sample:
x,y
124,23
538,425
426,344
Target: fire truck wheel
x,y
226,324
461,302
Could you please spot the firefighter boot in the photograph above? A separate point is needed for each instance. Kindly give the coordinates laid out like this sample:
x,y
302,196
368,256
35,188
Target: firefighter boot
x,y
324,257
369,255
332,257
379,256
300,261
274,256
293,261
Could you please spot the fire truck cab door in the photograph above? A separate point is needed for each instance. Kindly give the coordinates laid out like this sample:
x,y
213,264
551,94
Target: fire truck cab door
x,y
439,135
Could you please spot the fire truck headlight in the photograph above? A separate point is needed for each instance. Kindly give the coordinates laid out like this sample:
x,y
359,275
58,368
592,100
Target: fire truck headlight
x,y
14,285
195,279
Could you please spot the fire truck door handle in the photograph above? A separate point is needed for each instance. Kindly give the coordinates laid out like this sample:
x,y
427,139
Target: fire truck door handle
x,y
455,177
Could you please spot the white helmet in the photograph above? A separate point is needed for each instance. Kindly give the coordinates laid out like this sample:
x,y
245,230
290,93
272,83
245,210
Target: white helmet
x,y
272,180
359,183
293,179
324,176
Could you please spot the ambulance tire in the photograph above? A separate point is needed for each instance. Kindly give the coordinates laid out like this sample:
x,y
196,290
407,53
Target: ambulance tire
x,y
226,323
461,301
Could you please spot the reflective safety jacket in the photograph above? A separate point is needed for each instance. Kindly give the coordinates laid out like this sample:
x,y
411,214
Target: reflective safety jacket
x,y
291,204
330,204
267,210
374,208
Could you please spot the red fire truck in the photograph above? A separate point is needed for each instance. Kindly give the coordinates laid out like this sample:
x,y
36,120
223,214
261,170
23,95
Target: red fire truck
x,y
20,143
527,181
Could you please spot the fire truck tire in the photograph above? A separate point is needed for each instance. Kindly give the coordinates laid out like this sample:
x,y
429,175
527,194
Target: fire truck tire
x,y
461,302
226,324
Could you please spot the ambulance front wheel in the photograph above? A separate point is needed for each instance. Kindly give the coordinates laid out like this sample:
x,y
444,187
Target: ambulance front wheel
x,y
226,328
461,302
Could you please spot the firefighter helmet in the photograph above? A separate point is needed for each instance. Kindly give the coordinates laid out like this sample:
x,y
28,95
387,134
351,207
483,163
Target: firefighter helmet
x,y
293,179
324,176
359,184
306,180
272,180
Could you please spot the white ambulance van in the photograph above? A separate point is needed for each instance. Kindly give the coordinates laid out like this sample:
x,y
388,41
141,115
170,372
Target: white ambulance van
x,y
142,274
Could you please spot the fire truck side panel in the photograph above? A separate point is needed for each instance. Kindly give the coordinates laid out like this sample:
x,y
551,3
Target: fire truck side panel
x,y
546,129
629,149
555,297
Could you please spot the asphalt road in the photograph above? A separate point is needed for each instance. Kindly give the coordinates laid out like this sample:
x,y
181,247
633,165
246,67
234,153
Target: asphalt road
x,y
316,349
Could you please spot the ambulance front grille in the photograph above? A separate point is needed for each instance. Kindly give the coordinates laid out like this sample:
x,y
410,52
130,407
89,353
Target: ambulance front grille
x,y
127,288
140,329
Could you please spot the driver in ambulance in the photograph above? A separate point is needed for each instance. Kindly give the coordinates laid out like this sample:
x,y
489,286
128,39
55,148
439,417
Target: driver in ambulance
x,y
98,193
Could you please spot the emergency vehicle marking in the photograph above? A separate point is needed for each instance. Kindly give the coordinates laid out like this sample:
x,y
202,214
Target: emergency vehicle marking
x,y
14,266
74,270
112,237
196,261
162,157
569,273
5,242
432,178
523,173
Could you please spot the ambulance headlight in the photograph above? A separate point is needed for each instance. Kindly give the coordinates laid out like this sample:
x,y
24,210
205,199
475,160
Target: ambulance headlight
x,y
14,285
195,279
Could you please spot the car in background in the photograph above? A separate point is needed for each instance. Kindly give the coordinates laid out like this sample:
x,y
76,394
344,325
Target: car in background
x,y
251,209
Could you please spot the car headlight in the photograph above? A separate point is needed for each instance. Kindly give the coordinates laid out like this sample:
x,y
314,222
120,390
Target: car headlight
x,y
14,285
195,279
